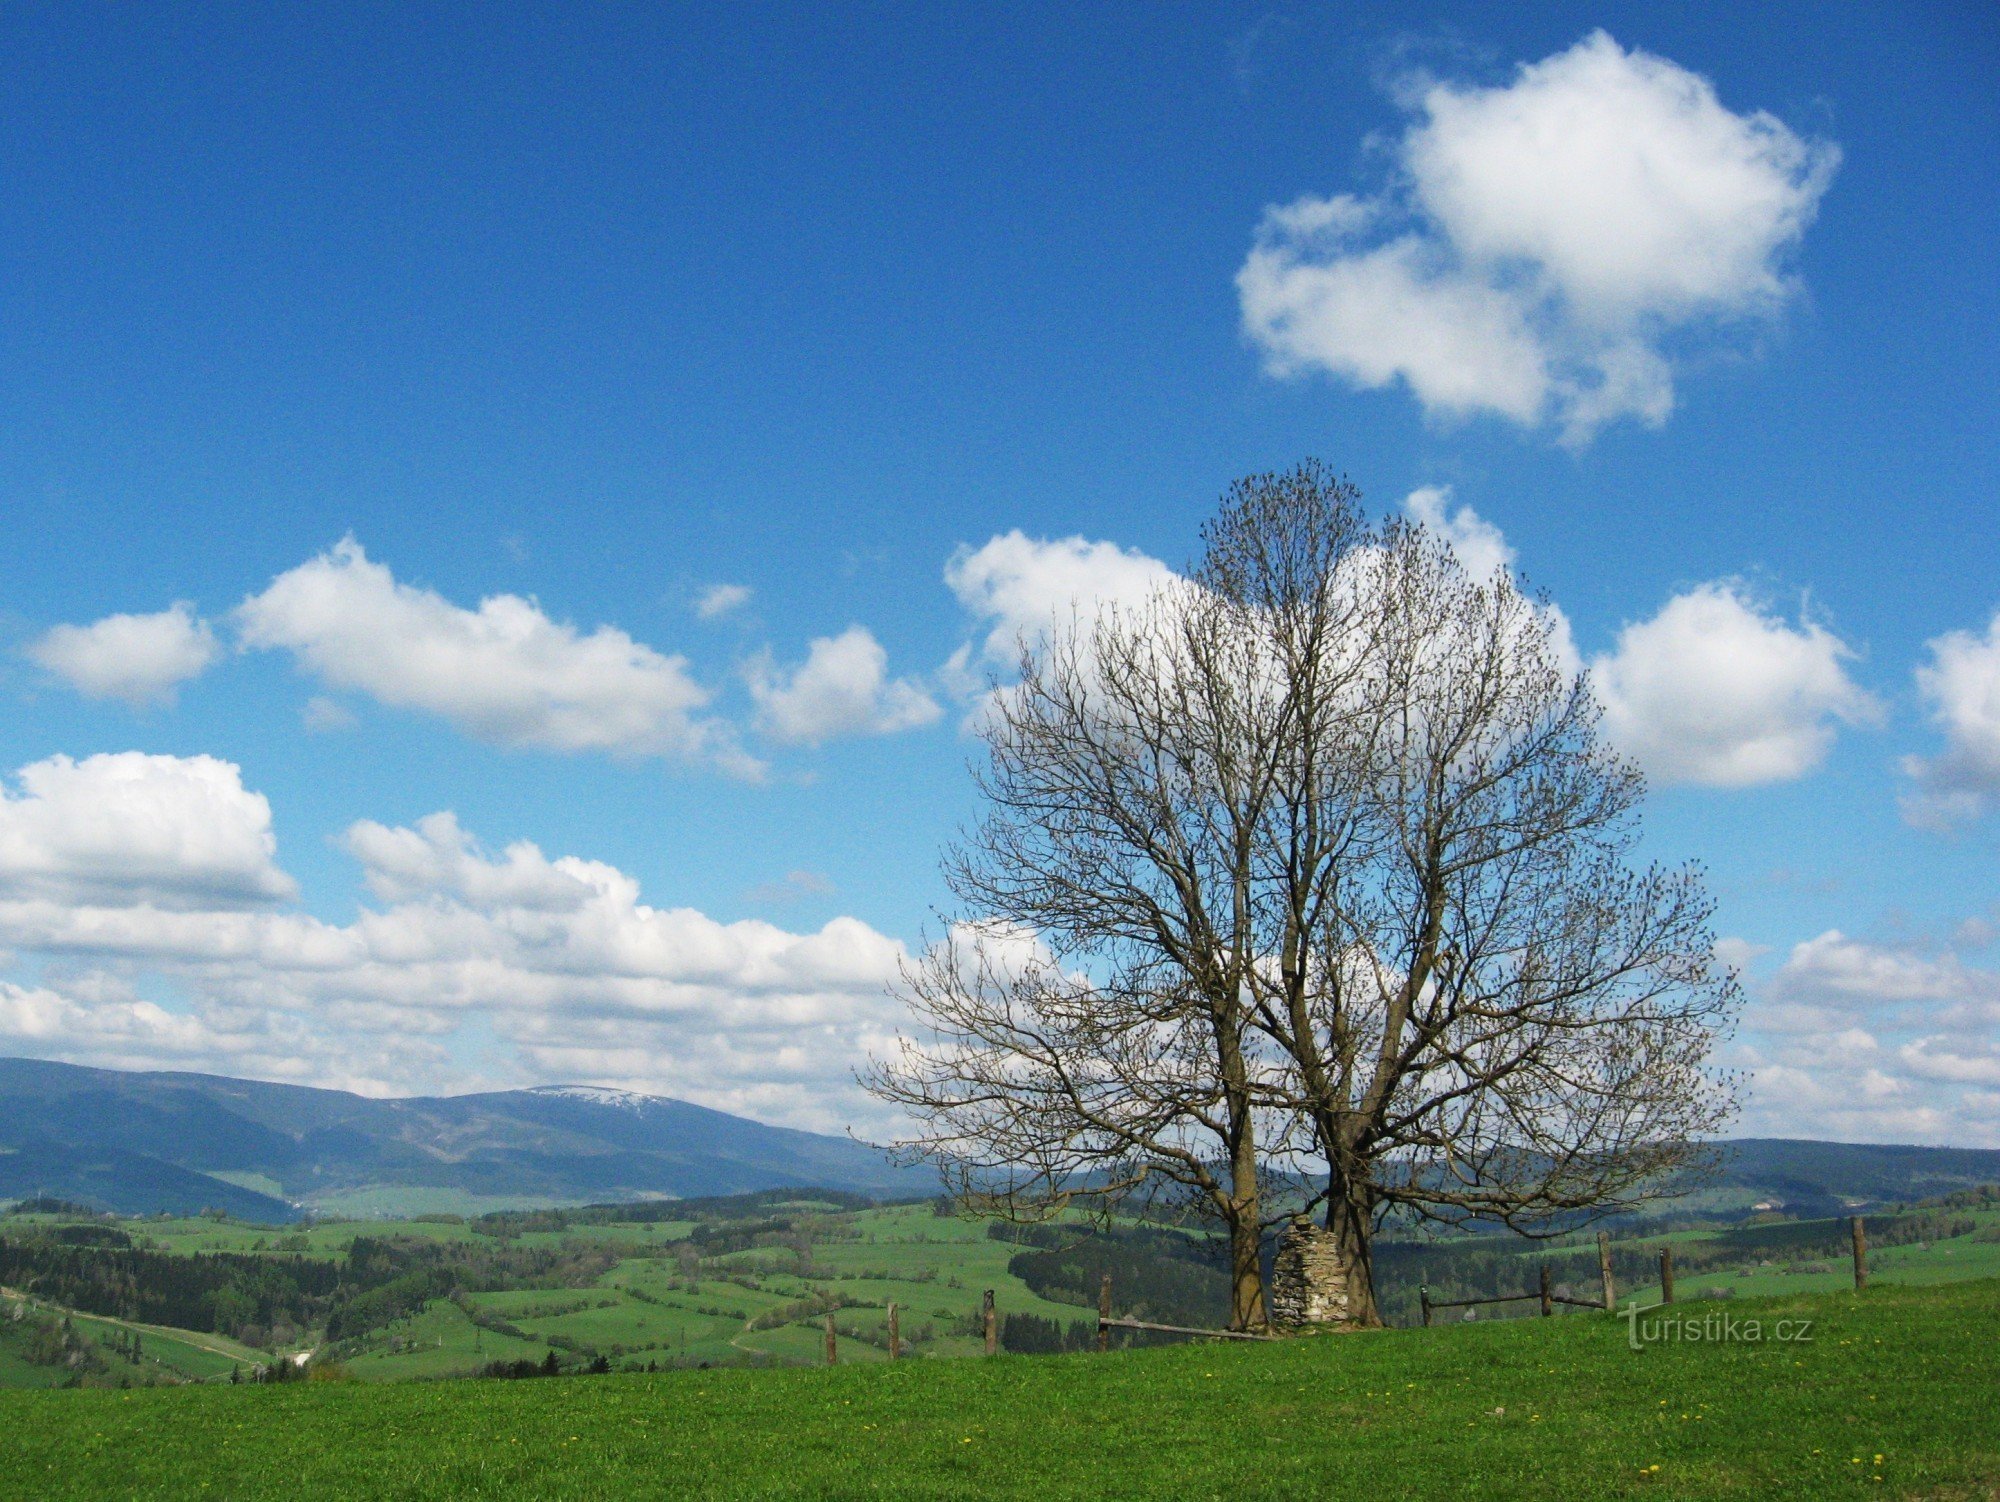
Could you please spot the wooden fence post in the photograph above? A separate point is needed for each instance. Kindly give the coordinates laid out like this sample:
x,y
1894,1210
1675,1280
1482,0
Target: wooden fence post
x,y
992,1323
1860,1252
1547,1307
1666,1275
895,1331
1104,1313
1604,1272
831,1358
1424,1298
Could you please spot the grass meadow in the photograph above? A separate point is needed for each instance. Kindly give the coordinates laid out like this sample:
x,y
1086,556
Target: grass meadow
x,y
1894,1394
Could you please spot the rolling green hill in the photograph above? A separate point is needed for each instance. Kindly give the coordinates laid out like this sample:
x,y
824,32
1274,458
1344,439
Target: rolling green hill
x,y
1808,1179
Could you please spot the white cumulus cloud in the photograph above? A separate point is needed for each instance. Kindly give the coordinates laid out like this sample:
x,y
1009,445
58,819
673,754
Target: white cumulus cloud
x,y
842,688
140,659
171,832
1480,546
1861,1041
1547,243
152,929
1484,553
1716,690
1018,587
720,599
504,672
1961,684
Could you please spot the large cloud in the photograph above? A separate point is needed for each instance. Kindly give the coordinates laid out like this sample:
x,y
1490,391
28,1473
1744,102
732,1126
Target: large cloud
x,y
170,832
1961,683
842,688
1545,245
504,672
559,961
1716,690
1484,553
140,659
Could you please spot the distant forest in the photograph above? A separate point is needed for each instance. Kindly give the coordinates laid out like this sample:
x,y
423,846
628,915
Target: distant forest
x,y
271,1298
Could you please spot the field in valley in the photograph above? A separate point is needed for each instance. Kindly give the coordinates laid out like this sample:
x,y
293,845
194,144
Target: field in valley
x,y
749,1282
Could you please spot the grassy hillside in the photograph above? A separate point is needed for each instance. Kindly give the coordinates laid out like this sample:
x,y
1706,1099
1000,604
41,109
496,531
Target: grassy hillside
x,y
749,1281
1892,1395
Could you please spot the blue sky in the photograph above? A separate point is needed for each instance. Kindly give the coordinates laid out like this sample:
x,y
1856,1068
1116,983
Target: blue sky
x,y
591,315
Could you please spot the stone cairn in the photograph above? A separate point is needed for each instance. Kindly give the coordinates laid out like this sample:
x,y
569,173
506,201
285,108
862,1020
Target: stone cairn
x,y
1308,1284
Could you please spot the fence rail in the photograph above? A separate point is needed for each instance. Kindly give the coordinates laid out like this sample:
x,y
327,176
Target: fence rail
x,y
1545,1295
1141,1324
989,1320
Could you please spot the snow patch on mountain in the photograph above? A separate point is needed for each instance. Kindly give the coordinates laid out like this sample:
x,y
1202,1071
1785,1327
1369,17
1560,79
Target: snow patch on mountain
x,y
598,1095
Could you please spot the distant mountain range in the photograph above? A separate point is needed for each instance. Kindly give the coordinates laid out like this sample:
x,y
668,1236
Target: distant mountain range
x,y
1810,1179
144,1142
139,1143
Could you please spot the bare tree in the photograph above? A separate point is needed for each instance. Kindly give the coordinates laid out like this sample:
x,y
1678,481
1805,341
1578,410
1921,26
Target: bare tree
x,y
1486,1013
1313,857
1090,1033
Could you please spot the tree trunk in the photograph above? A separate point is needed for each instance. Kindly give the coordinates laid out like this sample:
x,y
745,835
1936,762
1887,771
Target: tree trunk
x,y
1350,1230
1246,1273
1243,1212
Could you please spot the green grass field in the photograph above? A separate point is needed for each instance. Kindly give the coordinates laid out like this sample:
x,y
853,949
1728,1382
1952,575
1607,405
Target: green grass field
x,y
189,1354
1893,1395
935,1268
166,1354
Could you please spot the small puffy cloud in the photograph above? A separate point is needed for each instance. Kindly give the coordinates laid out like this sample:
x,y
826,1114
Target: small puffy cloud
x,y
721,599
1546,244
437,856
1018,587
842,688
1716,690
1738,954
1961,684
505,672
1837,970
1315,302
1936,1059
140,659
168,831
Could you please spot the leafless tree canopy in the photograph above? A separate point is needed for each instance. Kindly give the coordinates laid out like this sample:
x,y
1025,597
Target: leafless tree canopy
x,y
1312,863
